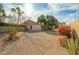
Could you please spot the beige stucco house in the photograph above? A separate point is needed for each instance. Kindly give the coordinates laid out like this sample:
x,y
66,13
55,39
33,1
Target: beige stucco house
x,y
31,25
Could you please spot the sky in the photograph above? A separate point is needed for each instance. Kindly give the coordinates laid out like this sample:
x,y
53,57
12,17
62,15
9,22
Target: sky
x,y
63,12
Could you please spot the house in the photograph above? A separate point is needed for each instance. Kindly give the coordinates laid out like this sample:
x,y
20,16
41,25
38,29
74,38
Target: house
x,y
31,25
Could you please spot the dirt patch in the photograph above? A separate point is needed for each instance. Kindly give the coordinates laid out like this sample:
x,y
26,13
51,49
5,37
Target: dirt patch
x,y
38,43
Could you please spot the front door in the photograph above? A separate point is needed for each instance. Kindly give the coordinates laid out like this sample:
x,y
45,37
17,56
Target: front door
x,y
30,27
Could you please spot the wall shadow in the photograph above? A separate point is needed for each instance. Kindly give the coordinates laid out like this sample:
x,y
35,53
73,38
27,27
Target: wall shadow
x,y
52,32
33,31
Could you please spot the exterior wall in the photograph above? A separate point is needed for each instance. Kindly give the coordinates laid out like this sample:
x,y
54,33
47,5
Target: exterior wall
x,y
34,27
20,28
6,28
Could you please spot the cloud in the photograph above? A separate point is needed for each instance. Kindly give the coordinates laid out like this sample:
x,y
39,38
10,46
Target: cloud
x,y
54,7
33,12
29,10
57,7
56,10
62,11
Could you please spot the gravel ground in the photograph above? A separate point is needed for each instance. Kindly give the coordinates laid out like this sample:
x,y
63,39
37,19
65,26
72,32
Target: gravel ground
x,y
37,43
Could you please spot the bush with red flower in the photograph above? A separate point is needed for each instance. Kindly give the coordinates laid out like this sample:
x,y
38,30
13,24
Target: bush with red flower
x,y
64,30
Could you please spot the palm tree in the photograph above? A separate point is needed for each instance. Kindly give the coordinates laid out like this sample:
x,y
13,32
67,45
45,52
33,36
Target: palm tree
x,y
13,11
18,10
2,13
13,28
22,18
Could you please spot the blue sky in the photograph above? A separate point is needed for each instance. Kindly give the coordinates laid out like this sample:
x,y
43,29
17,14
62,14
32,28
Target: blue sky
x,y
64,12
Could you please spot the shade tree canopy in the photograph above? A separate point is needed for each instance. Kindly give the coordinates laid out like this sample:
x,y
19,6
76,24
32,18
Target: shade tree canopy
x,y
48,22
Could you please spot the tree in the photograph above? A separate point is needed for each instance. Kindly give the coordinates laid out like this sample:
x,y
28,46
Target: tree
x,y
17,14
13,27
2,13
18,10
22,18
13,16
47,22
42,21
52,22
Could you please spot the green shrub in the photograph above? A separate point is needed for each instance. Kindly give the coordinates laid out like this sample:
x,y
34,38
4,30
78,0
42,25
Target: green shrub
x,y
13,32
